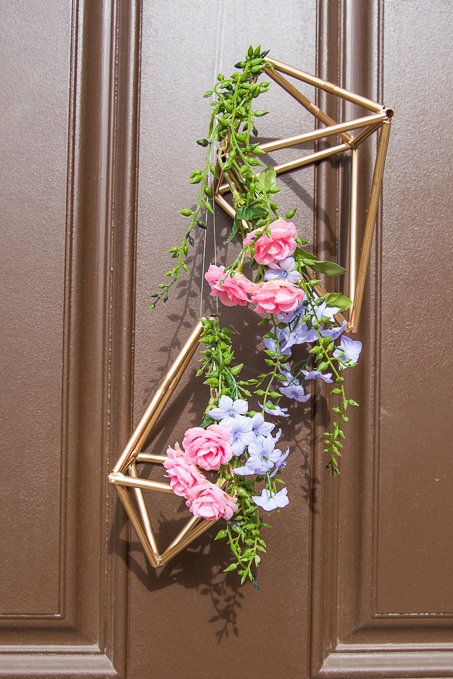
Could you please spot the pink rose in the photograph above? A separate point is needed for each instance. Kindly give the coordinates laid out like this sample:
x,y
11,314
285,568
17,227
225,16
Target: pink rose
x,y
182,474
276,297
279,245
210,502
231,290
207,448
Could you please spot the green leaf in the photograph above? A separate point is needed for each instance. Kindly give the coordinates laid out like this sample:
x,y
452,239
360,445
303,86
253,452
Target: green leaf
x,y
337,299
234,229
250,212
291,213
329,268
236,370
231,567
307,257
267,178
186,212
221,534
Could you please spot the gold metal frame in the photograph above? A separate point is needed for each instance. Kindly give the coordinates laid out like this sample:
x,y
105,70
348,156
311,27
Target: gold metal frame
x,y
379,120
125,476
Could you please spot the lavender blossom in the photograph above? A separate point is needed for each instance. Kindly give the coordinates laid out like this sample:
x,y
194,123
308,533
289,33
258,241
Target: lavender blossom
x,y
281,463
269,501
260,427
334,333
283,270
275,410
241,434
295,392
348,352
317,375
228,408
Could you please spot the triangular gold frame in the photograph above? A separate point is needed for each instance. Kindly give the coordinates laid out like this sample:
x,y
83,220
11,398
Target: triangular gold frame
x,y
125,477
379,120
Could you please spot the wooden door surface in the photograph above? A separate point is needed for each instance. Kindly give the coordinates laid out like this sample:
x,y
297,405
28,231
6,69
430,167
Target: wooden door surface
x,y
101,106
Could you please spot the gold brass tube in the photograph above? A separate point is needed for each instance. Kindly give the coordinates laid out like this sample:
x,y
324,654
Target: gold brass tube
x,y
150,457
291,165
325,85
312,158
118,479
225,205
143,511
370,222
160,399
353,224
323,132
187,529
305,101
364,134
153,558
189,532
198,530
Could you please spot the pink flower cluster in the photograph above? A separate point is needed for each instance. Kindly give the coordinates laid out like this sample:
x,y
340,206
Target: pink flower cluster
x,y
270,297
209,449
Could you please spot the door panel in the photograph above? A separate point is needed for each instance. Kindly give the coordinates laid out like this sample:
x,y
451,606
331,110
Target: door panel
x,y
195,612
389,543
56,197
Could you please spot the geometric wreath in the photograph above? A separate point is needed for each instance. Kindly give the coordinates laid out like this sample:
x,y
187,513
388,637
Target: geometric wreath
x,y
378,121
125,476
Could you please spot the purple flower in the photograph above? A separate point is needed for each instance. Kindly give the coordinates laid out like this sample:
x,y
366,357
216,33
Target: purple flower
x,y
228,408
269,501
281,463
241,434
260,427
291,387
293,316
275,410
244,471
326,311
263,454
317,375
334,333
295,333
348,352
295,391
272,345
285,270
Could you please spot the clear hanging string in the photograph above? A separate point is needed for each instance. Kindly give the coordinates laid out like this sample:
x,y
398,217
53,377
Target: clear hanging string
x,y
218,58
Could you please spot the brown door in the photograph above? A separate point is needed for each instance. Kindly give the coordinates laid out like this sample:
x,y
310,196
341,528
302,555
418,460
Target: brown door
x,y
101,105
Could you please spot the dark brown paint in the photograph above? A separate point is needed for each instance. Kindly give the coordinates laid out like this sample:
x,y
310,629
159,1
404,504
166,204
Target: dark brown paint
x,y
357,577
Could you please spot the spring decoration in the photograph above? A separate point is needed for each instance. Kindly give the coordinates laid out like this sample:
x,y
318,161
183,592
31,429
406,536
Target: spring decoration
x,y
275,274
